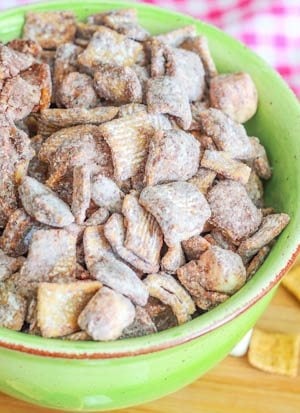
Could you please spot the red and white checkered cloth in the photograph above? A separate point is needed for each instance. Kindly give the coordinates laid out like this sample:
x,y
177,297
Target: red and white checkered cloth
x,y
270,27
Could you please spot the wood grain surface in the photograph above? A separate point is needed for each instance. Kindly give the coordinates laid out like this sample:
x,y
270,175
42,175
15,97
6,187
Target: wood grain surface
x,y
232,387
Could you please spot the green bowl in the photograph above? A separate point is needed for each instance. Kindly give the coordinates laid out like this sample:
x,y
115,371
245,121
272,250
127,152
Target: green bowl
x,y
90,376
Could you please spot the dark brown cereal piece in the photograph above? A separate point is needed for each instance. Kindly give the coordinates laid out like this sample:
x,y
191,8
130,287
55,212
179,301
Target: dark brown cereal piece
x,y
143,234
76,91
36,168
178,36
49,29
58,262
260,159
203,179
43,204
114,231
9,265
100,216
272,225
173,155
161,314
13,62
227,135
26,46
106,315
199,45
81,192
257,261
255,189
232,210
17,233
194,247
142,324
178,199
234,94
165,287
106,193
128,139
81,273
13,307
173,259
131,109
109,47
267,211
166,95
59,306
117,84
222,163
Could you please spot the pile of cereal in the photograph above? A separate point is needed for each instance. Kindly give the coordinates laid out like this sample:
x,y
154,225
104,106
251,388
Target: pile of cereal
x,y
131,197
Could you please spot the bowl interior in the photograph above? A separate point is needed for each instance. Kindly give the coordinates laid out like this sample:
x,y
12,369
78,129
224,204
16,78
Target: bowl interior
x,y
277,124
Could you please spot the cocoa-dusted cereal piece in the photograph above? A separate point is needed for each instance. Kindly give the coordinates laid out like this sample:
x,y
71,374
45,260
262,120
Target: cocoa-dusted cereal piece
x,y
49,29
106,193
39,75
161,314
9,265
165,287
271,226
222,163
164,94
76,91
255,189
221,240
81,192
173,259
131,109
178,199
232,210
13,307
79,336
95,245
194,247
173,155
203,179
257,261
142,324
178,36
12,62
205,141
109,47
143,234
26,46
195,127
106,315
234,94
59,306
260,159
65,62
117,84
227,135
43,204
100,216
36,168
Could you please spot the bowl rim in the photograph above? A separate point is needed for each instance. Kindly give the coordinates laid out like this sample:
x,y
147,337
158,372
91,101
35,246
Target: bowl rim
x,y
224,313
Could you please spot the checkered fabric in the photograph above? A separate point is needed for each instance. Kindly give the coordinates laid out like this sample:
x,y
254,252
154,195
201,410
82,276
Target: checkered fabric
x,y
270,27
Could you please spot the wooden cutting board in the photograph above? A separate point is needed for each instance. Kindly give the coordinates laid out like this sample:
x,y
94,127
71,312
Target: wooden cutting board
x,y
232,387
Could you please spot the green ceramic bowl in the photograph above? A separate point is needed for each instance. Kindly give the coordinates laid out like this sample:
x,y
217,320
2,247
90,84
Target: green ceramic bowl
x,y
83,376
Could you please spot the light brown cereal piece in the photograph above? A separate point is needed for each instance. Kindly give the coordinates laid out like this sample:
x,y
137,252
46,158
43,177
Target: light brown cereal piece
x,y
275,353
232,210
117,84
106,315
222,241
100,216
158,61
13,307
161,314
143,74
173,155
59,306
52,255
76,91
222,163
164,94
43,204
114,231
205,141
291,281
227,135
17,234
178,36
81,192
178,199
142,325
85,31
194,247
257,261
12,62
196,108
106,193
26,46
165,287
255,189
260,159
39,75
31,317
128,139
203,179
270,228
173,259
131,109
106,268
109,47
65,62
199,45
143,234
49,29
9,265
79,336
234,94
